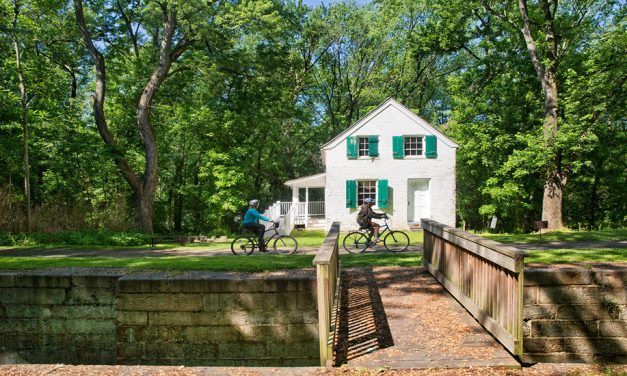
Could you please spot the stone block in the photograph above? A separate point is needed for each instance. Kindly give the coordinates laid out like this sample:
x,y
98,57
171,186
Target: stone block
x,y
616,279
133,334
530,295
7,280
90,296
557,277
554,328
43,281
32,295
569,294
220,302
83,312
613,328
165,350
25,311
597,346
131,318
181,318
586,312
560,357
79,327
242,350
543,345
134,351
616,296
213,334
526,327
107,282
539,311
160,302
18,326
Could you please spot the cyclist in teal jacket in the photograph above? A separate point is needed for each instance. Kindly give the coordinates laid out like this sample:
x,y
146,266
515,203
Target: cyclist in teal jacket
x,y
251,222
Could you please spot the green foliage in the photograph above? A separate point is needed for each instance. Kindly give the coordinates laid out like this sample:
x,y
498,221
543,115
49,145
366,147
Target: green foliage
x,y
263,84
74,238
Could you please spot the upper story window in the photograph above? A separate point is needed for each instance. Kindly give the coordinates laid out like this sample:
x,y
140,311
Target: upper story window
x,y
412,145
364,147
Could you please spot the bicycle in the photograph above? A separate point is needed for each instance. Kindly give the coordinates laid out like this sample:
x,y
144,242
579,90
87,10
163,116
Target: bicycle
x,y
359,241
283,244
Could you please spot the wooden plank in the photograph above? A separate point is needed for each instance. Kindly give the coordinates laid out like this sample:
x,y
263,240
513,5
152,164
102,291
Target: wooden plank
x,y
506,339
502,255
323,309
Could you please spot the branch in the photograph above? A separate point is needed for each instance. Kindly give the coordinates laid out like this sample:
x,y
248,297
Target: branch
x,y
99,98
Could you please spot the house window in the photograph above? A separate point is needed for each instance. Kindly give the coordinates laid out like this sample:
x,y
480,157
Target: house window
x,y
364,147
413,145
366,189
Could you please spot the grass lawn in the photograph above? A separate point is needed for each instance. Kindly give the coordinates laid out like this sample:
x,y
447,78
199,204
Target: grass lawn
x,y
258,263
314,238
567,256
560,236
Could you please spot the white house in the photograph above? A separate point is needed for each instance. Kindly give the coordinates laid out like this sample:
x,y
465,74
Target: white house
x,y
391,155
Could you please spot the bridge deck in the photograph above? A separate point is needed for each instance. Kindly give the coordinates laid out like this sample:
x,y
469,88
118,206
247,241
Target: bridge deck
x,y
402,318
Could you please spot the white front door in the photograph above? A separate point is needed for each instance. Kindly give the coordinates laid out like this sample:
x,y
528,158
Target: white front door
x,y
419,205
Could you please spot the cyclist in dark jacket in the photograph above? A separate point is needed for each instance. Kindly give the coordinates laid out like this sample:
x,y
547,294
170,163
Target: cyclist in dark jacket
x,y
364,218
251,222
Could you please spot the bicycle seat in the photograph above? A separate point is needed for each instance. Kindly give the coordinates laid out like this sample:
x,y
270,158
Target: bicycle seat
x,y
364,227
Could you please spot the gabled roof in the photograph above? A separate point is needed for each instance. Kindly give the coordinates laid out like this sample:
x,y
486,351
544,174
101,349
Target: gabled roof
x,y
374,113
318,180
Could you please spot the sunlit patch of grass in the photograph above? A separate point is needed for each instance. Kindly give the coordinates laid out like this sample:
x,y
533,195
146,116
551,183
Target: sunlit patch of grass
x,y
254,263
560,236
566,256
381,259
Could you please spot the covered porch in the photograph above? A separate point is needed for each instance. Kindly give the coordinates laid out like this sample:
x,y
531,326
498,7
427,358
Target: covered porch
x,y
307,201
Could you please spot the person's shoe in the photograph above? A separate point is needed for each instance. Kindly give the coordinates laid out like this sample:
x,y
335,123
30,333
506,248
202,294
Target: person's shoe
x,y
376,240
263,249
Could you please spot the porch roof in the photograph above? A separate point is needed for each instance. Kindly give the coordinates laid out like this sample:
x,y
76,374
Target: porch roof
x,y
311,181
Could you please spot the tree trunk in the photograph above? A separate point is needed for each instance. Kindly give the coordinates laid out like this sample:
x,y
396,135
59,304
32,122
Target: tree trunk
x,y
555,177
24,107
143,187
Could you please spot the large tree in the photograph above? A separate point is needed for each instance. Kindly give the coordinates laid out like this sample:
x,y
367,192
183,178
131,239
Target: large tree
x,y
172,14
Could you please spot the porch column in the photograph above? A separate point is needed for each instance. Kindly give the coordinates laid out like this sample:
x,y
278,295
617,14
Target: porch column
x,y
306,206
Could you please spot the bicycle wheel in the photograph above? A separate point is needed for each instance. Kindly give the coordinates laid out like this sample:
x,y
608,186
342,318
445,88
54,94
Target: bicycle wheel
x,y
355,242
242,246
396,241
285,245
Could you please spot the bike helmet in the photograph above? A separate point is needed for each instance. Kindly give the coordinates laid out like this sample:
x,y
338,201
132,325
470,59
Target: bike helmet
x,y
253,202
369,200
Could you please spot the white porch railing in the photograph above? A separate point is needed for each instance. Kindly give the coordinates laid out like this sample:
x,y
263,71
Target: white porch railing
x,y
289,214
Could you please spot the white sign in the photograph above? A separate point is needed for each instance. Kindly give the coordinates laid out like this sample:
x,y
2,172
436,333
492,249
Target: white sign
x,y
493,223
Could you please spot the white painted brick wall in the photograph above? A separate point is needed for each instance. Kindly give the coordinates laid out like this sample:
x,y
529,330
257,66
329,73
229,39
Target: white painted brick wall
x,y
440,172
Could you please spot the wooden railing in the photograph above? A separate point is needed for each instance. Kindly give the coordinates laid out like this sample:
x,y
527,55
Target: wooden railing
x,y
486,277
327,263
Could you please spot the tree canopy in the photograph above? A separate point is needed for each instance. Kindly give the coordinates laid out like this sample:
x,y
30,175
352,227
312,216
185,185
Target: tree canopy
x,y
170,115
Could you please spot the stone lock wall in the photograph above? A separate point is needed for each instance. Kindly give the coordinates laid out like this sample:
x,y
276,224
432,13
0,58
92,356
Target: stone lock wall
x,y
220,321
575,315
196,318
57,318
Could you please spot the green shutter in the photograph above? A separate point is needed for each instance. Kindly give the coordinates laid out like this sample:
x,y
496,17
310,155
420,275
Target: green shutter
x,y
373,146
398,147
382,194
351,194
431,146
351,147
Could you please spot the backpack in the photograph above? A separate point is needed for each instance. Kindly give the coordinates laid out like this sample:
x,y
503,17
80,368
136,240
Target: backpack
x,y
362,217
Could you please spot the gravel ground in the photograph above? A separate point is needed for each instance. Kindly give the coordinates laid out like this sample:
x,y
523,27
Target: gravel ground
x,y
67,370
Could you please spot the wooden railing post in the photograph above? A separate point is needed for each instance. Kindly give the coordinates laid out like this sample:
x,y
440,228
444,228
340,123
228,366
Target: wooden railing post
x,y
486,277
327,263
